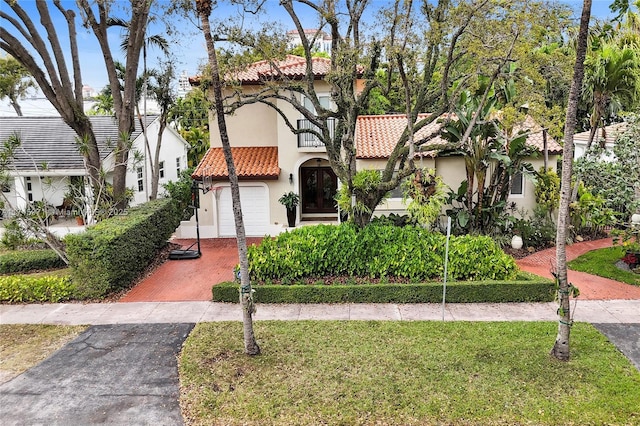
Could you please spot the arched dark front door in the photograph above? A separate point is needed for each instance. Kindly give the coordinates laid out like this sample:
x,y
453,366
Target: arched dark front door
x,y
319,186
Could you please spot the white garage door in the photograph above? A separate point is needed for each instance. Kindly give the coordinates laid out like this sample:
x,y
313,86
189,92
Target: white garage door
x,y
255,211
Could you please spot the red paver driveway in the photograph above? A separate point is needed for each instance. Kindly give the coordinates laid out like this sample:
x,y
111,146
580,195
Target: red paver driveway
x,y
188,280
591,286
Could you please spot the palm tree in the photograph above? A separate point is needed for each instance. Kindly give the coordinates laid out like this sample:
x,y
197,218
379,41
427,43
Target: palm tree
x,y
561,349
611,82
203,7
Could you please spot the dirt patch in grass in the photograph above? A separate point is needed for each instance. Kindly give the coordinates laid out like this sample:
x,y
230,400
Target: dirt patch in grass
x,y
22,346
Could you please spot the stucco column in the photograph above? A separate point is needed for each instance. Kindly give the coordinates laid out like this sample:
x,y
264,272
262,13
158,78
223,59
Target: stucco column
x,y
21,193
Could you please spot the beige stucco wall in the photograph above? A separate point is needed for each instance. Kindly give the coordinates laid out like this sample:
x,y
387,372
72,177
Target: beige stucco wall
x,y
251,125
260,125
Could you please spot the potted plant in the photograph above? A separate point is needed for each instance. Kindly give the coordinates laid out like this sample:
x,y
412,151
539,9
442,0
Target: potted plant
x,y
290,200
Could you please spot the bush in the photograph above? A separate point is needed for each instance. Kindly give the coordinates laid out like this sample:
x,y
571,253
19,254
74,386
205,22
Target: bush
x,y
377,251
522,290
28,261
538,232
13,236
23,288
111,254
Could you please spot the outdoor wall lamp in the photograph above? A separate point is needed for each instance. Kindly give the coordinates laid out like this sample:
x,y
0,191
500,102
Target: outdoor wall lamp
x,y
290,177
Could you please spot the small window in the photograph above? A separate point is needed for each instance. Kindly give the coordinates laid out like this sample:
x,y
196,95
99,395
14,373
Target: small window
x,y
178,165
139,172
161,167
517,184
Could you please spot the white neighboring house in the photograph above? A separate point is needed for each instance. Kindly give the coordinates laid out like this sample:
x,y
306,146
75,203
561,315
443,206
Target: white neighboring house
x,y
48,160
321,40
607,134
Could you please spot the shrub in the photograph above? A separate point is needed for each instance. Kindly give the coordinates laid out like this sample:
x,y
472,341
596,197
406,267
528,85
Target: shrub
x,y
376,251
521,290
29,261
111,254
13,236
23,288
539,231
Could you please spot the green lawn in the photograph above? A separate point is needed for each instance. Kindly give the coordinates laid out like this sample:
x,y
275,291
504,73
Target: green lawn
x,y
602,262
403,373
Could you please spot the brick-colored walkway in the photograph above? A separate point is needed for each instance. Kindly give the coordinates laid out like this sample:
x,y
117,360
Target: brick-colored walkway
x,y
591,286
190,280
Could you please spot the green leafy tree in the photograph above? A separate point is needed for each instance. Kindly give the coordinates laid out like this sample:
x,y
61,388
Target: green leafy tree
x,y
161,87
190,116
611,83
616,181
15,82
103,103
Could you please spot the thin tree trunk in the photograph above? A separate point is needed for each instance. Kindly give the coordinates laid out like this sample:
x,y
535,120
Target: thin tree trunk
x,y
246,297
155,178
561,348
16,106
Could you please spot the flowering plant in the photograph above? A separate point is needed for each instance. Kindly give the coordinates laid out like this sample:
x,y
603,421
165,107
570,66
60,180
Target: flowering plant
x,y
629,238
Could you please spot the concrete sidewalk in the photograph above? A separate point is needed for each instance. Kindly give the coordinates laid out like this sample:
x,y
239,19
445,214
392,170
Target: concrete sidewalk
x,y
593,311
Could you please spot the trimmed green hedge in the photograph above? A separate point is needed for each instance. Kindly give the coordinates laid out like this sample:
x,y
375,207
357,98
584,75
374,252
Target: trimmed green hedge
x,y
377,251
24,288
537,290
17,262
113,253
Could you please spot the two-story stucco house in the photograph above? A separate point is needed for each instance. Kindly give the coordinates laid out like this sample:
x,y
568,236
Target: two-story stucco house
x,y
271,160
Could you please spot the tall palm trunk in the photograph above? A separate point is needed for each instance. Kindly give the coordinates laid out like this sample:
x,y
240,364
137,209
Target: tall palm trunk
x,y
561,347
246,299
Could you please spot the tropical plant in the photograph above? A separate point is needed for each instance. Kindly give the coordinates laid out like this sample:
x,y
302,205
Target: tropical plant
x,y
490,140
611,83
427,194
290,200
547,190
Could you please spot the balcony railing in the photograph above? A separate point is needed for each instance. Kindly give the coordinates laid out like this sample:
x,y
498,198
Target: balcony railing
x,y
309,140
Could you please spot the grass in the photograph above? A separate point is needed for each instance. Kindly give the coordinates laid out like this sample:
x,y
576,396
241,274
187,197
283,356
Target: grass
x,y
602,262
24,345
404,373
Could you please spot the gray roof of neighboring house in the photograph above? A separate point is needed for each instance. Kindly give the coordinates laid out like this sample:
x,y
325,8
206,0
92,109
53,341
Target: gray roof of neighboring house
x,y
48,140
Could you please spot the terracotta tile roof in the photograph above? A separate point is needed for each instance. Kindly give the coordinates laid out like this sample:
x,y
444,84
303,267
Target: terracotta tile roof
x,y
611,134
255,162
376,135
536,137
292,67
